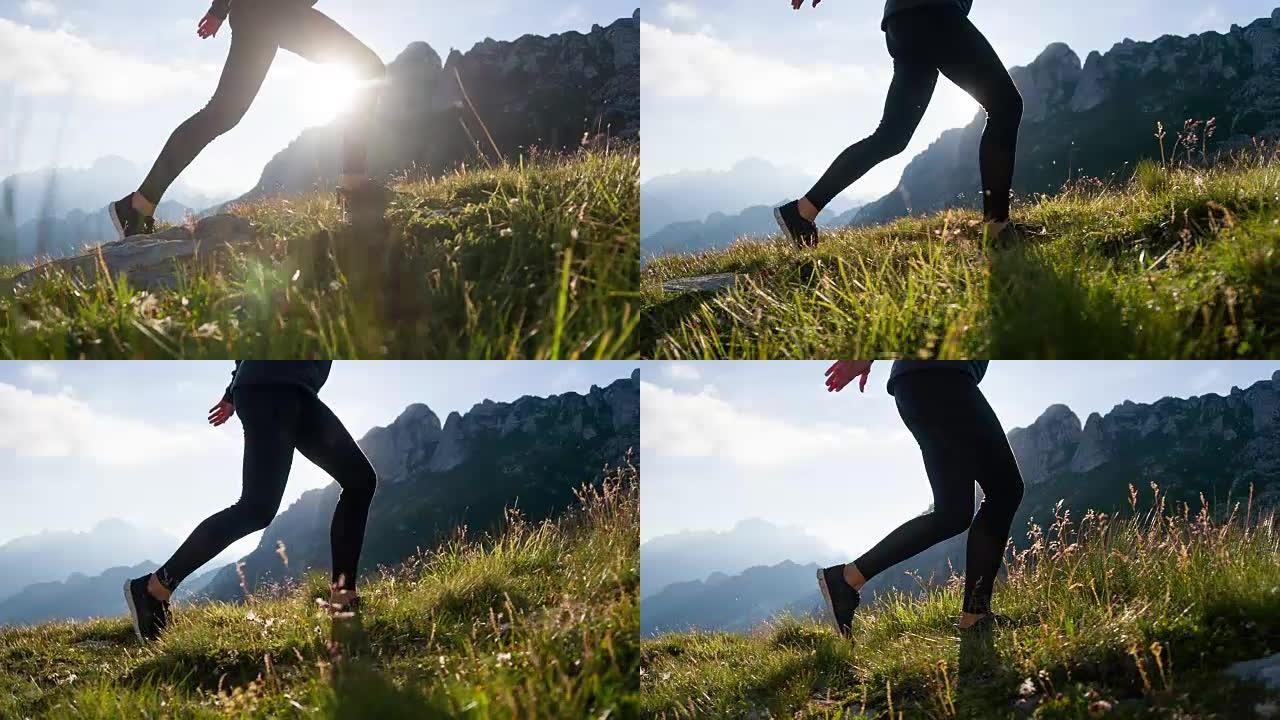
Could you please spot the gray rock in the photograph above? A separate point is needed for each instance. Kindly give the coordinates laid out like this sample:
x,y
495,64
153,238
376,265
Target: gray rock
x,y
149,262
702,283
1045,448
1263,670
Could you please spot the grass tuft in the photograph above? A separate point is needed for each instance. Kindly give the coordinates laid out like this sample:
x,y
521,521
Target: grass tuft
x,y
525,260
1178,262
541,620
1109,617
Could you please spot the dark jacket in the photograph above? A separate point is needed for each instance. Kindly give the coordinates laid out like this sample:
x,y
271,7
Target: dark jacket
x,y
893,7
221,8
976,369
307,374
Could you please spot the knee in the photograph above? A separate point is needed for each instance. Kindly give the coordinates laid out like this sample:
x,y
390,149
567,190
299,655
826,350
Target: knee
x,y
363,481
1008,109
953,521
892,142
371,66
220,118
255,516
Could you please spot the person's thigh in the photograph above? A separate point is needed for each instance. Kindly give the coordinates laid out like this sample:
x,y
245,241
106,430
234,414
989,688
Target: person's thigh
x,y
325,441
965,56
270,421
311,34
934,408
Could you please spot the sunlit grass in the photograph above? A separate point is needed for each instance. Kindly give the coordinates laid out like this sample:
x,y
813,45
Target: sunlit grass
x,y
1110,618
536,260
1180,262
541,621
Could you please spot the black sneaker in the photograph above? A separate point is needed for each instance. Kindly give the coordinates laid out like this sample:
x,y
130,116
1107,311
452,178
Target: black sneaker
x,y
149,614
840,596
792,224
129,221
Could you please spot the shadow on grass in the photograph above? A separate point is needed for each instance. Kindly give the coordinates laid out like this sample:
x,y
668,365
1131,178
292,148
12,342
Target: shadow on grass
x,y
1039,313
361,690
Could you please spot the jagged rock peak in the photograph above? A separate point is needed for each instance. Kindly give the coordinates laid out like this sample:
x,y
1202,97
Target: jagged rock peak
x,y
1046,447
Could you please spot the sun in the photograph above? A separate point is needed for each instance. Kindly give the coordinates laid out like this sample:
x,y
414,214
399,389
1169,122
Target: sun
x,y
324,92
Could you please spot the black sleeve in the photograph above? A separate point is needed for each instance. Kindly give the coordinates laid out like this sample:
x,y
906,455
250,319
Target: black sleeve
x,y
220,9
226,396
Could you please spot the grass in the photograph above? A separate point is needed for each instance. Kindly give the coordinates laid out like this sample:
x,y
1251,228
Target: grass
x,y
539,621
1115,618
528,260
1179,262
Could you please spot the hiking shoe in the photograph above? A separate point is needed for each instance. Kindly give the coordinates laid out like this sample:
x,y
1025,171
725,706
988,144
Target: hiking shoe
x,y
987,623
150,616
364,203
129,221
792,224
840,596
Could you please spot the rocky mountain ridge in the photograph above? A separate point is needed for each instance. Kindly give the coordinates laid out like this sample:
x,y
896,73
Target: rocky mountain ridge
x,y
1098,118
551,93
435,478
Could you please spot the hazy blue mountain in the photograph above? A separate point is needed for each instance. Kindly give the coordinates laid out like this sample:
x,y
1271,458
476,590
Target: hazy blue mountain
x,y
79,597
735,603
693,195
53,556
692,556
720,230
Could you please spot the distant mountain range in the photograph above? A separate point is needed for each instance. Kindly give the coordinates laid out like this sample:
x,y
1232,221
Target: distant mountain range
x,y
54,211
53,556
81,597
692,556
531,454
695,196
1218,446
720,230
1098,118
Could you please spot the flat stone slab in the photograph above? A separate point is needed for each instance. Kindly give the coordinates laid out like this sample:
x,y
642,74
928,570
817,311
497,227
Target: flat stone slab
x,y
150,261
1264,670
702,283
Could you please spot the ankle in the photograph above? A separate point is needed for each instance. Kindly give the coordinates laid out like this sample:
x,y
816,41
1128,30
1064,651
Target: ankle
x,y
968,620
853,576
808,210
352,181
142,205
157,590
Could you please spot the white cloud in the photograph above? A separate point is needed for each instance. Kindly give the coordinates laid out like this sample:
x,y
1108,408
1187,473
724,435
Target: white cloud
x,y
684,425
682,372
697,65
40,373
37,425
39,9
58,62
679,11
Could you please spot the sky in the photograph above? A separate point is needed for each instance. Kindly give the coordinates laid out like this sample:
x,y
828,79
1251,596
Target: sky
x,y
724,81
726,441
82,441
83,79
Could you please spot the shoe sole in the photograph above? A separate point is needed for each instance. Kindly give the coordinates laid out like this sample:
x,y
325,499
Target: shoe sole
x,y
826,597
133,611
782,226
115,220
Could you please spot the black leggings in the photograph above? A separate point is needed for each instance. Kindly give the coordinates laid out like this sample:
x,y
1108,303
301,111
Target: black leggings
x,y
259,29
278,419
962,441
924,42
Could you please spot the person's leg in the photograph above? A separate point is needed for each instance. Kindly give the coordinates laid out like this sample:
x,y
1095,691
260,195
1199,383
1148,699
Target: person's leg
x,y
927,404
1002,487
324,440
252,52
269,418
317,37
967,59
909,95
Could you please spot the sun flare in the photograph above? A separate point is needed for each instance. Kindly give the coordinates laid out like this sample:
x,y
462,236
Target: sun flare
x,y
324,92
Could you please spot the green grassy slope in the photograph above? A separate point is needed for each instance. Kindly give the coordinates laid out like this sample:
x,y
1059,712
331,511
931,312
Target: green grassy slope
x,y
1179,262
542,621
529,260
1109,618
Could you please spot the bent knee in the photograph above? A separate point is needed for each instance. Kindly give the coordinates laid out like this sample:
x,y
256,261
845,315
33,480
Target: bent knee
x,y
953,522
